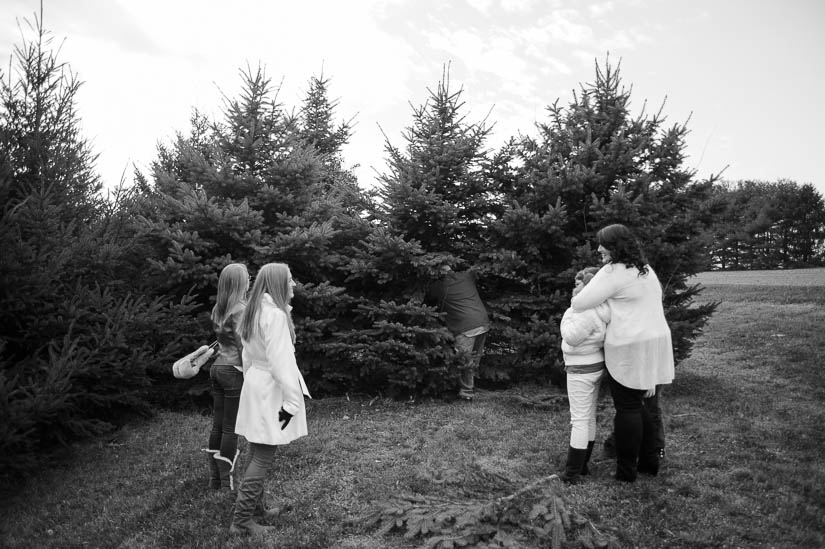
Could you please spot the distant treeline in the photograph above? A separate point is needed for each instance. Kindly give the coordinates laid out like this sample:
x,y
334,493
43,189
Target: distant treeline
x,y
761,225
100,294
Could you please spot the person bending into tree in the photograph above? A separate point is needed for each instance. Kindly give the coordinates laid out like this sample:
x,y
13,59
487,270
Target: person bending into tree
x,y
272,410
582,346
638,350
455,294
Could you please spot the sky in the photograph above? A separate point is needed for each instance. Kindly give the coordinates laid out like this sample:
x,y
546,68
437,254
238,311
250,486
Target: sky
x,y
748,76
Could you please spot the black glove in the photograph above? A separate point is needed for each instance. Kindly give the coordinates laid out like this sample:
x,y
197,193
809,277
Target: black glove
x,y
284,416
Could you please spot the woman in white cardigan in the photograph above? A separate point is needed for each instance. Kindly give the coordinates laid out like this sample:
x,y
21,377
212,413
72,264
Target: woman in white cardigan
x,y
638,351
271,410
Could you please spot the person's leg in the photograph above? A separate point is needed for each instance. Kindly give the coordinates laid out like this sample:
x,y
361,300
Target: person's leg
x,y
596,381
478,352
225,411
653,406
579,394
652,436
466,377
232,380
628,428
251,489
579,390
215,433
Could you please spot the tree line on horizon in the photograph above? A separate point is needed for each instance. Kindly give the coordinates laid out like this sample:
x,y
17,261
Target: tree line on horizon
x,y
100,294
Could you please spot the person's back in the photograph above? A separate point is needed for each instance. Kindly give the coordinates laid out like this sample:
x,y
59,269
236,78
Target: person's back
x,y
230,346
457,297
455,294
637,347
583,334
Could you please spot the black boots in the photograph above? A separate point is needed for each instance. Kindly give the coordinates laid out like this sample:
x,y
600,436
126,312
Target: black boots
x,y
573,467
588,453
249,497
576,466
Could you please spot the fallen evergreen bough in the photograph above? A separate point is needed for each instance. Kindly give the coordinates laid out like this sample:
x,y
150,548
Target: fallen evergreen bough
x,y
535,515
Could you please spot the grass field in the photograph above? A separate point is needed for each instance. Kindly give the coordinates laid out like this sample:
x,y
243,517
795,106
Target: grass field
x,y
744,464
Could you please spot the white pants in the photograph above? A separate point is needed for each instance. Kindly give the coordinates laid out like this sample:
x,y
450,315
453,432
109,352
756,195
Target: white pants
x,y
583,395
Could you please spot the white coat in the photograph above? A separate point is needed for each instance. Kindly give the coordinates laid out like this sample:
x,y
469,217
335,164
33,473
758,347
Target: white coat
x,y
583,335
271,381
638,350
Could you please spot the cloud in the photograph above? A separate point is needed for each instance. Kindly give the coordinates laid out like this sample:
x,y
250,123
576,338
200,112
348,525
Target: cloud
x,y
561,26
600,10
483,6
518,5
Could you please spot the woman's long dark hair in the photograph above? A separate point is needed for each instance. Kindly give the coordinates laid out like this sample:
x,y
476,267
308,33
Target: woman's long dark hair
x,y
623,247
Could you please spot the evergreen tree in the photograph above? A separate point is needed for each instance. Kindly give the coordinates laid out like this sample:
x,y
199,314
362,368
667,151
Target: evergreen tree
x,y
593,164
255,187
317,127
73,346
434,207
438,191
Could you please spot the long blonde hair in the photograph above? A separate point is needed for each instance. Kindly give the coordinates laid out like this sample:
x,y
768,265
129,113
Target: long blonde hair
x,y
275,280
232,286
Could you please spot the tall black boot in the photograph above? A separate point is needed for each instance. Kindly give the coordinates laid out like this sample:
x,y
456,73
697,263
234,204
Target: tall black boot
x,y
248,496
588,453
628,430
573,467
649,451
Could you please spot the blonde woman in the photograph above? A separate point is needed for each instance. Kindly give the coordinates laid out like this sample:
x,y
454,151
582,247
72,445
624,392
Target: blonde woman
x,y
271,409
226,374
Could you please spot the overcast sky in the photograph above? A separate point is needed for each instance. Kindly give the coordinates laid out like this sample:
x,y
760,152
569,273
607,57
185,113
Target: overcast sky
x,y
751,72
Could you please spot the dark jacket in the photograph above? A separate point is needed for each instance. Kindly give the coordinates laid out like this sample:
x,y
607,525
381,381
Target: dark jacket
x,y
456,295
230,347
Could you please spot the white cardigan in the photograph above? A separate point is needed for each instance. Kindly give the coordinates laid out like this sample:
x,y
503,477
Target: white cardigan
x,y
583,335
638,350
271,381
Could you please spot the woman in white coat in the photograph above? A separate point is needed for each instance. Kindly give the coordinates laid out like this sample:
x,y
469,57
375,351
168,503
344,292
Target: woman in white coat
x,y
638,351
271,410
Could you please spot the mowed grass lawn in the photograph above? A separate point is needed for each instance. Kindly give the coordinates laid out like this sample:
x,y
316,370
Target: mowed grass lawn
x,y
745,424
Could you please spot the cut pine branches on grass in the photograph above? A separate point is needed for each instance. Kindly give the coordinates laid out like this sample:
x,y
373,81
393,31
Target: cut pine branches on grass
x,y
535,514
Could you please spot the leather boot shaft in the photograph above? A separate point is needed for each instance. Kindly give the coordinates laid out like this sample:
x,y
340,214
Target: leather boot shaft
x,y
249,494
573,468
588,453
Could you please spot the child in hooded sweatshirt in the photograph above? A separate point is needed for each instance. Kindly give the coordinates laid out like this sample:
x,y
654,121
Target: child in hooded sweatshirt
x,y
583,350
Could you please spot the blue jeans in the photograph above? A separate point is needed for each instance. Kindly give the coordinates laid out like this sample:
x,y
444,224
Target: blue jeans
x,y
226,382
474,347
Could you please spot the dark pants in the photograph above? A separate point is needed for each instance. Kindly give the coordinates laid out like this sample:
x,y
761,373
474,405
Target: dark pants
x,y
635,432
652,406
226,382
654,409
